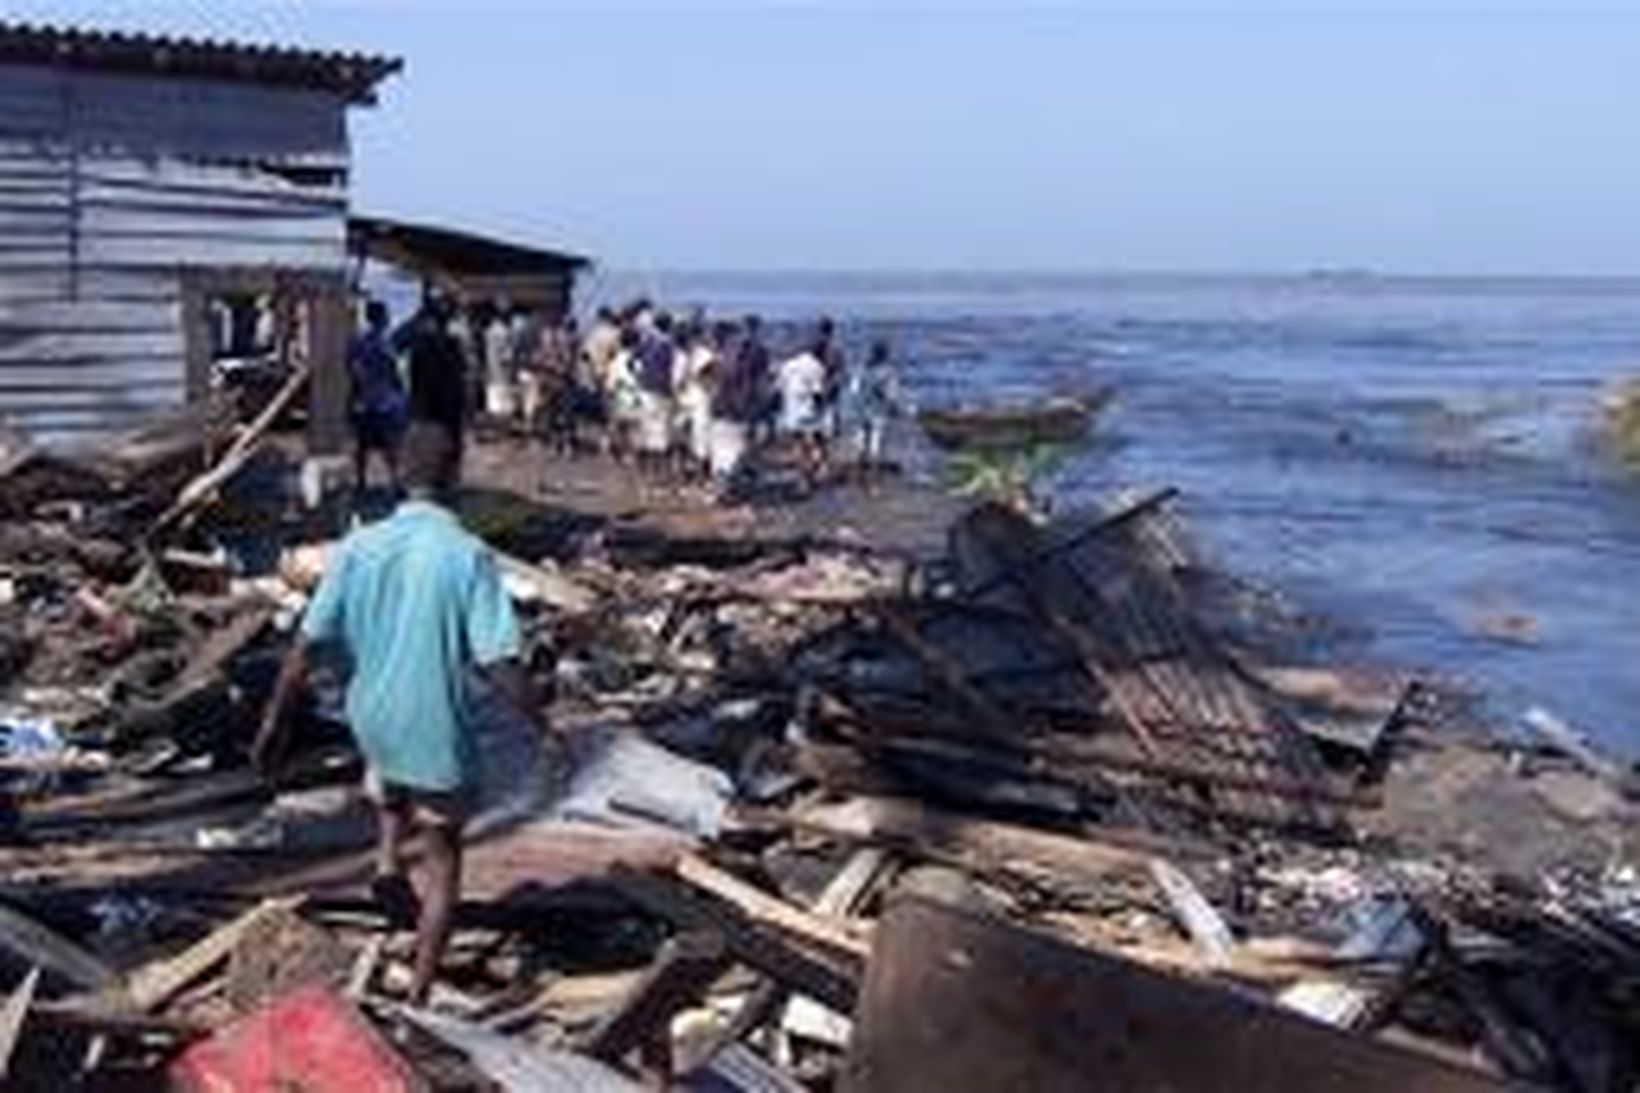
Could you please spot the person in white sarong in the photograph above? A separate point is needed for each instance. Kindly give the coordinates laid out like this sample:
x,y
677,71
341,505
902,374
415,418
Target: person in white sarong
x,y
499,399
694,396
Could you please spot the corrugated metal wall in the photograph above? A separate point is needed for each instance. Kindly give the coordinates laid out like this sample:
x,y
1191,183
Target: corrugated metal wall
x,y
110,187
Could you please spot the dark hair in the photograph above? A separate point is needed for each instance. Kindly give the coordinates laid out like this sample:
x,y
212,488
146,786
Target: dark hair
x,y
441,306
432,458
376,313
753,324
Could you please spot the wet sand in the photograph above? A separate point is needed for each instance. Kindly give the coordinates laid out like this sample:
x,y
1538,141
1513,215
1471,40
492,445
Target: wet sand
x,y
895,514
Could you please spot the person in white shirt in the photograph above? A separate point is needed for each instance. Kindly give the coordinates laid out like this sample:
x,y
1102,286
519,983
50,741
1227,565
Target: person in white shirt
x,y
800,382
696,358
498,378
622,396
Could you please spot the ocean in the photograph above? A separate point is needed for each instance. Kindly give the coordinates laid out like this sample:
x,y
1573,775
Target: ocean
x,y
1413,459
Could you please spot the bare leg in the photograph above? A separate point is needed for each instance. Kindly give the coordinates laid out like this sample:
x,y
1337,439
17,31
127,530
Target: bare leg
x,y
392,823
442,871
390,455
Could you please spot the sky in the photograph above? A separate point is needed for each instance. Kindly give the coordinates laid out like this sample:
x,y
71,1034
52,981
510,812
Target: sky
x,y
1459,137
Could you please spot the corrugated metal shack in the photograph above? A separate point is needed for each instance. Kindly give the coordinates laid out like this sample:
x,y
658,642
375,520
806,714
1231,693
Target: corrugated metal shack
x,y
147,184
475,268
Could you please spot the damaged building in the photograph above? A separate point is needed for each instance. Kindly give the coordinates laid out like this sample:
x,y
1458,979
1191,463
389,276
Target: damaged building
x,y
166,204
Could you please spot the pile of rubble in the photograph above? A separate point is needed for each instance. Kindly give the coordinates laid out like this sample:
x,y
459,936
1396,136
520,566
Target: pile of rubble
x,y
1027,816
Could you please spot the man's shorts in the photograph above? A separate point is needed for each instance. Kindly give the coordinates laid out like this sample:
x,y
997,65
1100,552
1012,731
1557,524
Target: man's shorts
x,y
378,430
427,807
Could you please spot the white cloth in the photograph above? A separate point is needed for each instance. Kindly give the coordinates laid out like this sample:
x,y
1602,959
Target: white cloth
x,y
727,447
695,401
621,386
801,380
497,352
654,421
499,398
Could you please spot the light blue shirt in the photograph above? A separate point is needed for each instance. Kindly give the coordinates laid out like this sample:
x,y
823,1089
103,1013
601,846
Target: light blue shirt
x,y
414,602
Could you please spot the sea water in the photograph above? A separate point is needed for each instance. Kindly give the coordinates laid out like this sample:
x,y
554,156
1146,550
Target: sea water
x,y
1414,457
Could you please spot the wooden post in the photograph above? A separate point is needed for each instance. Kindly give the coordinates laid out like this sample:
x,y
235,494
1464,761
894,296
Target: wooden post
x,y
330,330
196,337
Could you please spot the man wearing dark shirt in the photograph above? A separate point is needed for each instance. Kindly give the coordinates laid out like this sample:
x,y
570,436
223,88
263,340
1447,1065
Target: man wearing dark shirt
x,y
438,381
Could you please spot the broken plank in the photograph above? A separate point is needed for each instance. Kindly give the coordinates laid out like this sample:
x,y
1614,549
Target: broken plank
x,y
154,984
1207,929
988,844
766,950
850,938
12,1015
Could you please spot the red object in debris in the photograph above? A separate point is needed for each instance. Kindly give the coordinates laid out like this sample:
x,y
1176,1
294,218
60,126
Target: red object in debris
x,y
308,1039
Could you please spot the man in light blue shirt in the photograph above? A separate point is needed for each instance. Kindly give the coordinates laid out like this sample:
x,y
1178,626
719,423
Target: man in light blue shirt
x,y
414,604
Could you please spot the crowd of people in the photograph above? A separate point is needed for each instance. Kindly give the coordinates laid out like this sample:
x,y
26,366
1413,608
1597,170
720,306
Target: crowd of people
x,y
680,398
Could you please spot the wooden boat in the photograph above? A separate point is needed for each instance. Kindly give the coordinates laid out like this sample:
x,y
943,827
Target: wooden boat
x,y
1057,420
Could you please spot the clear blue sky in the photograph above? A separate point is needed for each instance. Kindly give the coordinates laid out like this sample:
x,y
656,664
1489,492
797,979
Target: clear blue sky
x,y
1457,137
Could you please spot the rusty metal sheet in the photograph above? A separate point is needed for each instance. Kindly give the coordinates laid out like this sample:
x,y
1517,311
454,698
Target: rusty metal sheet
x,y
955,1001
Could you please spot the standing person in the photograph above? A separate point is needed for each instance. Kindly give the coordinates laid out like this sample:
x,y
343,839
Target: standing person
x,y
622,395
496,345
876,400
414,603
830,351
657,367
801,383
555,372
699,359
602,341
377,402
461,327
737,394
755,366
524,334
438,369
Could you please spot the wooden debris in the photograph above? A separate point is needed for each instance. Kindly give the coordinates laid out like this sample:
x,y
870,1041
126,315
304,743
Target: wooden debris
x,y
685,966
1206,927
154,984
202,488
751,943
13,1013
37,946
833,933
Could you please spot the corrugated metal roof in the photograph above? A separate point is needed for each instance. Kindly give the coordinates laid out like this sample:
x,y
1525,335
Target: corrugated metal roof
x,y
354,75
426,247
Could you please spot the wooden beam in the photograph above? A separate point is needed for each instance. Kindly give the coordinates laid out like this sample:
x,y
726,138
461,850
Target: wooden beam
x,y
152,985
845,937
753,944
